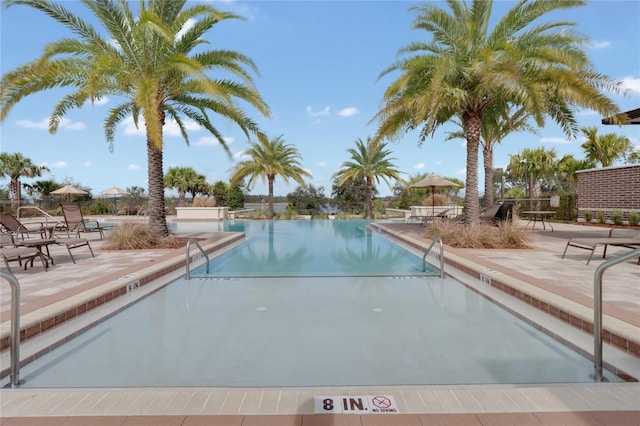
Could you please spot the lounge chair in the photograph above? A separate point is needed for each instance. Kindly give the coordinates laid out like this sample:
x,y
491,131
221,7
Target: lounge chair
x,y
73,243
425,219
75,222
9,252
497,213
11,224
592,243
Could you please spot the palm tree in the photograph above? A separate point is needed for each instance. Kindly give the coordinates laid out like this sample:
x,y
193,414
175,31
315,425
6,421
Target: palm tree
x,y
269,158
183,179
153,62
533,163
498,122
44,188
568,166
14,166
468,66
605,149
370,161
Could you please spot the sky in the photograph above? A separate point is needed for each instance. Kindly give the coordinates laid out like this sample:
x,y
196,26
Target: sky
x,y
319,71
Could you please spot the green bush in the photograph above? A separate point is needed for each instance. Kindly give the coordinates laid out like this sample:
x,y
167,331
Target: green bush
x,y
600,215
634,217
588,215
617,217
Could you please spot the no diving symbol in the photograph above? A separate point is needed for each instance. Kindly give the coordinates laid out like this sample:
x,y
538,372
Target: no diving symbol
x,y
381,401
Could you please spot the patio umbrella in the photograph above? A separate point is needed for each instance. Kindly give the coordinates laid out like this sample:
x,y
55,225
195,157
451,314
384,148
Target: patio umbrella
x,y
433,181
116,192
69,190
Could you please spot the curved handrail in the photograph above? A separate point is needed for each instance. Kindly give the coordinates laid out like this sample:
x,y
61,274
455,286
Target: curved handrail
x,y
14,377
46,215
193,240
424,257
597,308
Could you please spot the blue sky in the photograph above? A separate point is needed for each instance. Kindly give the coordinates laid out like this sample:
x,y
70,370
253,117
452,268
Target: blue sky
x,y
319,64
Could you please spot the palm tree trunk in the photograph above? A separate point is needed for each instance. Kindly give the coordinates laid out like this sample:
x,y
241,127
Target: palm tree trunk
x,y
14,193
472,121
157,214
271,179
487,154
369,200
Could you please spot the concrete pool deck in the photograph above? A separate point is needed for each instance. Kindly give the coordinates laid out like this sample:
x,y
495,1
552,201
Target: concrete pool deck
x,y
538,270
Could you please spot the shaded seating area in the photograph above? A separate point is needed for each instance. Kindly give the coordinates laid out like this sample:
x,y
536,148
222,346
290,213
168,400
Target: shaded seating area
x,y
76,223
592,244
9,252
497,213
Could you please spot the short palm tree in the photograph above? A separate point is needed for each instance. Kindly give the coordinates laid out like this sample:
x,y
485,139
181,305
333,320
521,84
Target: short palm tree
x,y
14,166
468,65
371,161
533,163
183,180
44,188
152,61
269,158
605,149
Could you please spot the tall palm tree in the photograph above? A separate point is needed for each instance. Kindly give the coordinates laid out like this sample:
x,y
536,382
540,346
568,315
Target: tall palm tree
x,y
44,188
605,149
467,66
269,158
533,164
14,166
370,161
152,61
498,122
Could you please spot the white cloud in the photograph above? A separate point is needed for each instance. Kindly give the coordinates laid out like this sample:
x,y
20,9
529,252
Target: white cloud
x,y
87,164
321,164
324,112
186,27
212,141
170,128
348,112
419,166
555,140
101,101
43,124
600,44
134,167
241,156
630,84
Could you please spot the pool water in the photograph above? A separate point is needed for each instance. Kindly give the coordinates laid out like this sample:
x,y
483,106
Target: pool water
x,y
313,248
342,330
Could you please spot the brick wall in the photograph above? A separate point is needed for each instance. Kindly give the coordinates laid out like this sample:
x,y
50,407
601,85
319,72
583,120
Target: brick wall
x,y
608,189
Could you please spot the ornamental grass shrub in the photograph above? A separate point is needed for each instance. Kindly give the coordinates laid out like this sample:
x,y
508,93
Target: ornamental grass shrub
x,y
484,235
136,236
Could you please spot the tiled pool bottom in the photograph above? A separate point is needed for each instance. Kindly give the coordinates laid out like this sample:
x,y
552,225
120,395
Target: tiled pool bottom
x,y
283,332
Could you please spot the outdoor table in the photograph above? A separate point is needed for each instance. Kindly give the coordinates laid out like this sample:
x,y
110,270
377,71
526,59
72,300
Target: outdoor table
x,y
38,244
535,215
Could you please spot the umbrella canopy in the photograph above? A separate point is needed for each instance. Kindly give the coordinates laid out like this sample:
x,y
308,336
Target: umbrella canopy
x,y
114,191
433,181
69,189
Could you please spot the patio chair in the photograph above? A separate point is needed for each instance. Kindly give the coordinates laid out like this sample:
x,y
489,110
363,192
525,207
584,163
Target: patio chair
x,y
73,243
497,213
9,252
592,243
17,228
75,222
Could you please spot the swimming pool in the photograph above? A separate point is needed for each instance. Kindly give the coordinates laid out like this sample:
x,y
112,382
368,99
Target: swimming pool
x,y
311,248
272,331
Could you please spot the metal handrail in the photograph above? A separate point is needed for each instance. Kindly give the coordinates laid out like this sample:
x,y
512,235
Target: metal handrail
x,y
597,309
424,257
44,213
193,240
14,377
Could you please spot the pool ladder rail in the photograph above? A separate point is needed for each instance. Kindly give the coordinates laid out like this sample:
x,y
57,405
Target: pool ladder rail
x,y
189,242
424,257
14,337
